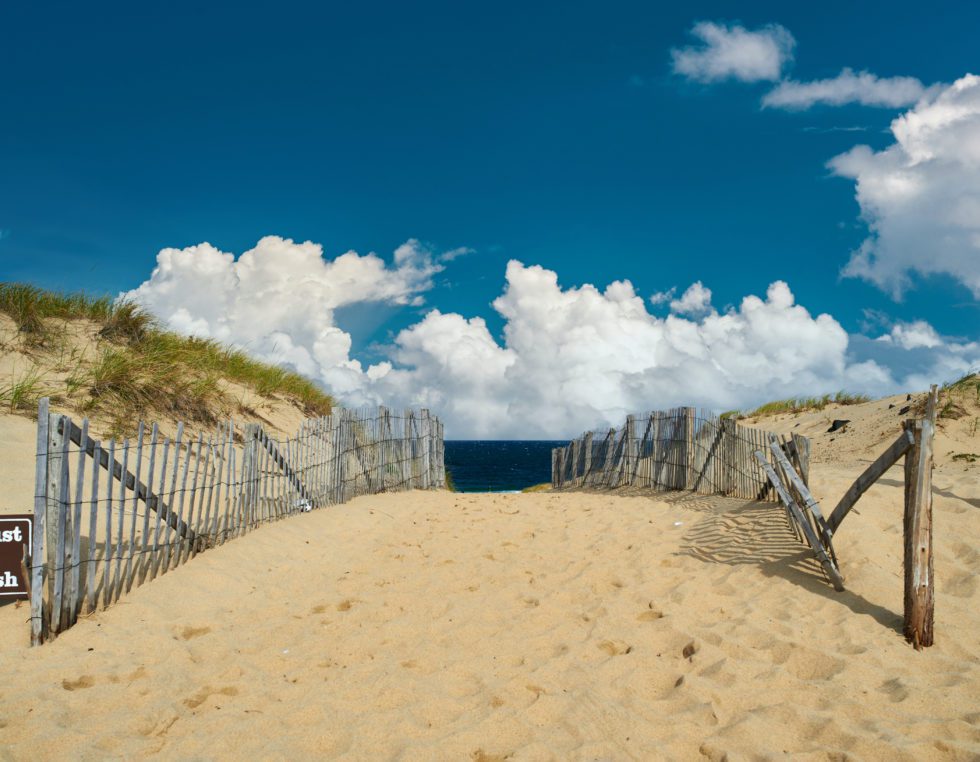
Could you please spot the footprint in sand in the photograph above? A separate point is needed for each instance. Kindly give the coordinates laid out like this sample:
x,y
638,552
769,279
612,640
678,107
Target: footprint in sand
x,y
895,690
202,695
85,681
689,650
650,615
615,647
345,605
481,756
189,633
319,609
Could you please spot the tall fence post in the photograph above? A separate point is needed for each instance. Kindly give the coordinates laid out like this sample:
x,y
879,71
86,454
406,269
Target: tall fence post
x,y
426,453
40,511
56,510
690,466
919,581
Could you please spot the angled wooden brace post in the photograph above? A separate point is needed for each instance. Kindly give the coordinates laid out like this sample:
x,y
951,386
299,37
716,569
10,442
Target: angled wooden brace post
x,y
814,541
809,503
871,474
280,460
153,502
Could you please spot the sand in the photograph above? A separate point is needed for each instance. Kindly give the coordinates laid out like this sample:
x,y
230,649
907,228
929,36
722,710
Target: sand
x,y
431,626
539,626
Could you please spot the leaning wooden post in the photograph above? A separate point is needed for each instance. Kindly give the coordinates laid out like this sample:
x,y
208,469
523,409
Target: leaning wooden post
x,y
919,579
629,452
689,448
425,447
586,456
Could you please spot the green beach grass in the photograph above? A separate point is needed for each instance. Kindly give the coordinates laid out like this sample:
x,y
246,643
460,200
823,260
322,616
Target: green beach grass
x,y
140,368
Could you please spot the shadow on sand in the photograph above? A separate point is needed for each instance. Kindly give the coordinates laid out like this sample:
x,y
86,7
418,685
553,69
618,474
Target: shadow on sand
x,y
736,533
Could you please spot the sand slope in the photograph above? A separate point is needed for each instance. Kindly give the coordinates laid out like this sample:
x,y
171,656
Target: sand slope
x,y
576,626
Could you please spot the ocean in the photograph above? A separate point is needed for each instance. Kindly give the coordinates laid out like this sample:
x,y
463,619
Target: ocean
x,y
499,466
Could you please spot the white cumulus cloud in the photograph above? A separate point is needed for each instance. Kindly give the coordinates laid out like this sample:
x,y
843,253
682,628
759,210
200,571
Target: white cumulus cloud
x,y
847,87
695,301
277,300
912,335
730,51
920,196
569,358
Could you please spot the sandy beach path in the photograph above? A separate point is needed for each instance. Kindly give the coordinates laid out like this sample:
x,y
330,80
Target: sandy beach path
x,y
425,626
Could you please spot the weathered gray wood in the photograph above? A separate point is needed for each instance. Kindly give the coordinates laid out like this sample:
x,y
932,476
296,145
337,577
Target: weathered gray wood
x,y
280,461
57,520
113,592
801,446
187,502
814,541
206,536
107,547
217,533
688,457
809,502
154,561
919,576
175,542
871,474
625,475
154,502
185,549
144,559
39,529
130,572
93,516
716,443
76,540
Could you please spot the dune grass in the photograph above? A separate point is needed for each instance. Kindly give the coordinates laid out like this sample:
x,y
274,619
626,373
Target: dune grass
x,y
954,395
804,404
141,368
22,393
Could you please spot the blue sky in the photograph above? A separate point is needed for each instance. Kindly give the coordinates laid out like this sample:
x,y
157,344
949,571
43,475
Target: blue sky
x,y
560,135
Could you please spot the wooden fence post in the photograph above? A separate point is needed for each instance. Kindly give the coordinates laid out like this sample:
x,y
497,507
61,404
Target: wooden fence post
x,y
426,451
40,511
56,516
919,579
630,453
691,467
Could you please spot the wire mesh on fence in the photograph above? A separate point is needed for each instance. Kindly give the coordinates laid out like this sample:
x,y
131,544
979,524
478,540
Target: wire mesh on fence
x,y
111,515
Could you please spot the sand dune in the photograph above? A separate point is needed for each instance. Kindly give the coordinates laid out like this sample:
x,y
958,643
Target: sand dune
x,y
427,626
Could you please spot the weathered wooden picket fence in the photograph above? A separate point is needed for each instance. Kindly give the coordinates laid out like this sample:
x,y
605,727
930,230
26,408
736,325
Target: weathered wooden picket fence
x,y
109,516
686,449
678,449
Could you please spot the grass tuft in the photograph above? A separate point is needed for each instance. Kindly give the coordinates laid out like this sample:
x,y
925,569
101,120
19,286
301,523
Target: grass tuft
x,y
127,321
23,393
804,404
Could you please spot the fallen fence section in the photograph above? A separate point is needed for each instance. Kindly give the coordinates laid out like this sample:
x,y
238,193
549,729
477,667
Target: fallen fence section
x,y
679,449
111,515
803,512
915,444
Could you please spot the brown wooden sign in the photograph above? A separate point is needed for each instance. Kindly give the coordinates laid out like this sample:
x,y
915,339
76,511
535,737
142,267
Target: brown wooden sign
x,y
15,542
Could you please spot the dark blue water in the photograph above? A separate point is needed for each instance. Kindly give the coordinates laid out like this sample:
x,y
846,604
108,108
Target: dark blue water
x,y
498,466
